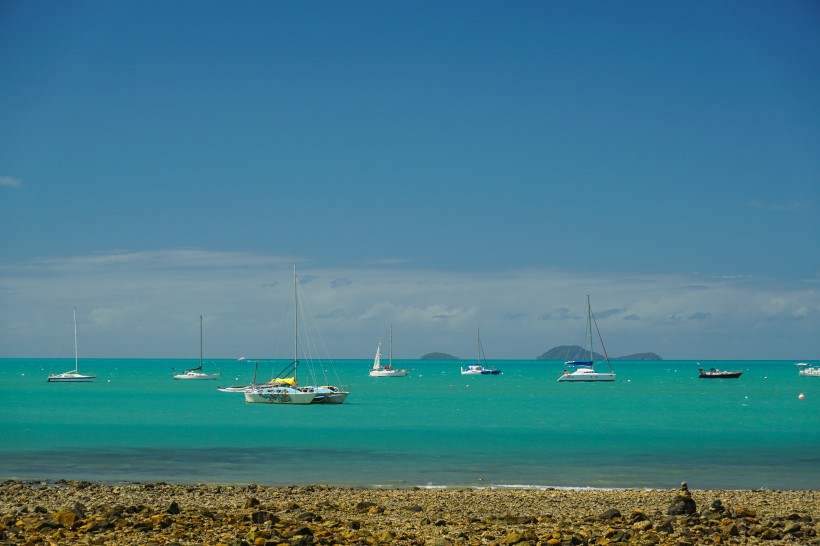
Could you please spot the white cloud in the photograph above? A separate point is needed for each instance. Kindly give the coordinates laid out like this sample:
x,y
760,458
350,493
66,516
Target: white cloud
x,y
9,182
147,304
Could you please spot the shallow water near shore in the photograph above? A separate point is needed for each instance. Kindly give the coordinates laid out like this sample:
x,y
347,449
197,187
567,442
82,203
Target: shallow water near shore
x,y
655,426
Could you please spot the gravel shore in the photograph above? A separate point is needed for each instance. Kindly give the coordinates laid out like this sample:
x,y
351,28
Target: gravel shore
x,y
159,513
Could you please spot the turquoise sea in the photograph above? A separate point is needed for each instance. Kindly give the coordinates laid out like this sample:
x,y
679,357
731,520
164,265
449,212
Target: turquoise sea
x,y
655,426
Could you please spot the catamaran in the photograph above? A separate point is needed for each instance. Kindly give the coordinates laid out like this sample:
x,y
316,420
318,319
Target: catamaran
x,y
478,368
585,369
74,376
284,388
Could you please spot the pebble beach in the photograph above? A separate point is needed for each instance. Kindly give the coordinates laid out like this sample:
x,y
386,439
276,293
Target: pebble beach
x,y
71,512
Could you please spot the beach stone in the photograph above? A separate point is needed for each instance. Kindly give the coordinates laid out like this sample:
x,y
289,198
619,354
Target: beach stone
x,y
642,526
160,520
65,518
729,528
79,509
792,529
745,513
173,508
612,513
638,515
770,534
262,516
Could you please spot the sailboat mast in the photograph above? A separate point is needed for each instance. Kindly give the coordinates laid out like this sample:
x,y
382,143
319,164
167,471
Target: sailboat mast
x,y
589,328
391,345
295,324
478,342
200,342
76,363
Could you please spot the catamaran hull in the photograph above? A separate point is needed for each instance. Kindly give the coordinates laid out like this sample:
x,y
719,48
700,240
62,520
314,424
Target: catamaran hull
x,y
330,398
479,371
587,377
278,397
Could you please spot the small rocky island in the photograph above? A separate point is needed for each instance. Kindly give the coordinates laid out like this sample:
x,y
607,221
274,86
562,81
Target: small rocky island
x,y
438,356
576,352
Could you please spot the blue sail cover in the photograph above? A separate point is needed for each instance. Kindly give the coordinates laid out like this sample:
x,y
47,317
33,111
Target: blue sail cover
x,y
586,363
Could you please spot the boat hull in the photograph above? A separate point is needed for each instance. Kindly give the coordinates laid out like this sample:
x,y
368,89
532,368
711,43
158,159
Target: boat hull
x,y
719,374
388,373
238,388
330,398
475,369
70,378
278,396
808,371
196,376
586,377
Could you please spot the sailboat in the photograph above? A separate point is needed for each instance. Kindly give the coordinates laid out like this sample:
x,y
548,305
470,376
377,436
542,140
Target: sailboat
x,y
385,371
284,388
585,369
74,376
198,372
478,368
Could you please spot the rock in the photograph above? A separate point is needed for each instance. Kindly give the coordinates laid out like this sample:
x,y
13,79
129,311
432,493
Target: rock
x,y
262,516
612,513
745,513
512,538
638,515
173,509
729,528
65,518
79,509
770,534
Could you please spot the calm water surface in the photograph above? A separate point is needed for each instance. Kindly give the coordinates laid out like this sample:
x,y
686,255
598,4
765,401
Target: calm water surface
x,y
655,426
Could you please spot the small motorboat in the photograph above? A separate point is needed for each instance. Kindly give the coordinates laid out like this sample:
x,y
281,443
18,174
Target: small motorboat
x,y
714,373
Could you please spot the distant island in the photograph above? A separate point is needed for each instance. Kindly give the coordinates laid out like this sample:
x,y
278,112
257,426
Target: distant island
x,y
439,356
576,352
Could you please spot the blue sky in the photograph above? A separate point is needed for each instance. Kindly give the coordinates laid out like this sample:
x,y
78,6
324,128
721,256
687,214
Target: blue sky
x,y
434,165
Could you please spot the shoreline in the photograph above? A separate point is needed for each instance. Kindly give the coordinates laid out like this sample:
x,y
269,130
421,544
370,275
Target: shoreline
x,y
68,511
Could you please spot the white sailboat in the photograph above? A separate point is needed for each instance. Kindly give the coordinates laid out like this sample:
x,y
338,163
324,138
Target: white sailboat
x,y
585,369
386,371
478,368
284,388
74,376
198,372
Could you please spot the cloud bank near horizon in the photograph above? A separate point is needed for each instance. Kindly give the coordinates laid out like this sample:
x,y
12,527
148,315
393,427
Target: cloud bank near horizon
x,y
147,304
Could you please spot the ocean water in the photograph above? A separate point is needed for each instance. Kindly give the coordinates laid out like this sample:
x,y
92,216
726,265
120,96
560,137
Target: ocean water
x,y
655,426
